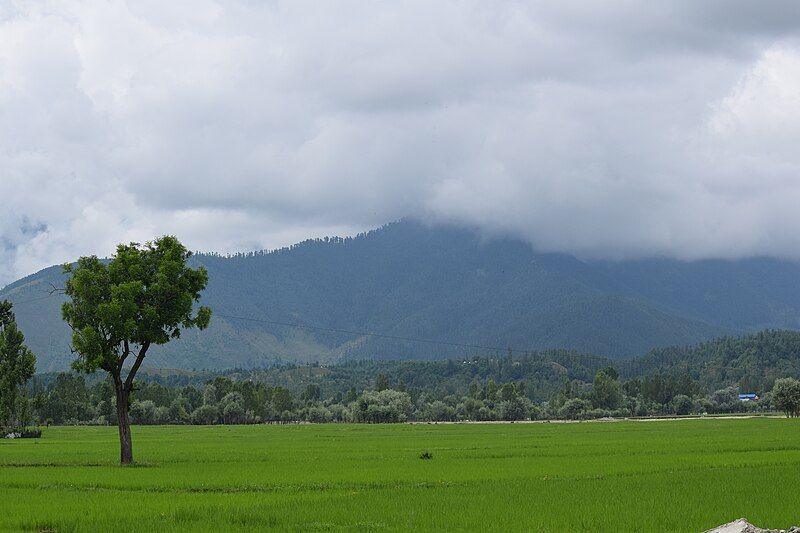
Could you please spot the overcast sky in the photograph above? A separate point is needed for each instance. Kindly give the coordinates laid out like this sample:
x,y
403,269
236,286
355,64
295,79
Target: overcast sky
x,y
604,129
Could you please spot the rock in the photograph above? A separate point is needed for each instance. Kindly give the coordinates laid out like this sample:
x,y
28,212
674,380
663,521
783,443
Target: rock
x,y
743,526
13,435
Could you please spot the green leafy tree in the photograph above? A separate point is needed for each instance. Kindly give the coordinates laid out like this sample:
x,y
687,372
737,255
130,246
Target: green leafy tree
x,y
205,414
312,393
383,406
282,399
682,404
606,392
381,382
786,396
574,408
143,296
17,365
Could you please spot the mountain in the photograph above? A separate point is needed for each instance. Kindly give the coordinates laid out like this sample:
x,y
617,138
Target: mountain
x,y
442,283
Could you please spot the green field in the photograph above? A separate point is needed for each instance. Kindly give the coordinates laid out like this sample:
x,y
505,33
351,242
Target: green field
x,y
628,476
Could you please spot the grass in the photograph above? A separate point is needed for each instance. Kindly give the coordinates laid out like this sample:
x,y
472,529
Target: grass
x,y
686,475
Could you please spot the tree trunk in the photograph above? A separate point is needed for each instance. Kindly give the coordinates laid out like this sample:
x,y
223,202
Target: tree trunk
x,y
124,423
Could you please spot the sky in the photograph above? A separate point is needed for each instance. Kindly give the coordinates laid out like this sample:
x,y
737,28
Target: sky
x,y
610,129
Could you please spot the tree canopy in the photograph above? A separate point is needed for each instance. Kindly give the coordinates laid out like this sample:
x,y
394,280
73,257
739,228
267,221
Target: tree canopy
x,y
786,396
17,365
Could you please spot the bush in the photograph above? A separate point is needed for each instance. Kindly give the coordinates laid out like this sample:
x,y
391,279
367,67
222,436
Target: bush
x,y
439,411
339,413
143,412
574,409
517,408
682,405
205,414
21,433
179,411
162,415
233,412
485,413
725,400
318,413
384,406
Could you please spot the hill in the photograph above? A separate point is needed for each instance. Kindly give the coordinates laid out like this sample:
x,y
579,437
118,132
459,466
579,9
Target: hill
x,y
752,362
442,283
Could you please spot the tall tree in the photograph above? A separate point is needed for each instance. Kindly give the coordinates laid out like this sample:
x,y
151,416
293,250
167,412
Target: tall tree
x,y
606,393
118,309
17,365
786,396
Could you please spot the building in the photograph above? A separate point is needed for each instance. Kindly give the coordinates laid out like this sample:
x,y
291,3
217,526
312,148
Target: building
x,y
748,397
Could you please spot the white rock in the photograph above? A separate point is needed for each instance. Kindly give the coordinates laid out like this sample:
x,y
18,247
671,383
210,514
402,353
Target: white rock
x,y
742,526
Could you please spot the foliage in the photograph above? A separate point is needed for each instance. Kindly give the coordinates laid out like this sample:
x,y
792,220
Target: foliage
x,y
144,296
205,414
382,406
574,408
786,396
606,393
751,363
532,386
17,365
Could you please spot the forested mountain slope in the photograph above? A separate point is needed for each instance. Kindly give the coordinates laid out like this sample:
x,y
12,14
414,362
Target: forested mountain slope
x,y
752,362
443,283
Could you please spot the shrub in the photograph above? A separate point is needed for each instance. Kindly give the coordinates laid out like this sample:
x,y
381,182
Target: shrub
x,y
21,433
143,412
517,408
162,415
725,400
318,413
233,412
382,406
574,409
438,411
205,414
682,405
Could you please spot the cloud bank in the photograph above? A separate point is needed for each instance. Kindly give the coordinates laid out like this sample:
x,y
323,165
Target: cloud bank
x,y
615,129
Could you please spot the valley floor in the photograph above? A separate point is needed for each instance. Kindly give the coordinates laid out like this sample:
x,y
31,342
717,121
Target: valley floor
x,y
687,475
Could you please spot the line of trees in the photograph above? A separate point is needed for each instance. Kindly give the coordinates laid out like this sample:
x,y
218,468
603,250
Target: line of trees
x,y
68,399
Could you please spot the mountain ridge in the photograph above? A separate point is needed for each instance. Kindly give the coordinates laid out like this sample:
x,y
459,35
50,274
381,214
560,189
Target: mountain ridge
x,y
445,283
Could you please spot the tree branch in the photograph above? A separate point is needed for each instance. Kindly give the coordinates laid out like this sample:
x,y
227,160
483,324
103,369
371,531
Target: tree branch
x,y
136,365
126,352
54,289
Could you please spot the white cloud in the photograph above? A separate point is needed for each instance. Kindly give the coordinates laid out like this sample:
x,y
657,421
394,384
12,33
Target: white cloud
x,y
608,130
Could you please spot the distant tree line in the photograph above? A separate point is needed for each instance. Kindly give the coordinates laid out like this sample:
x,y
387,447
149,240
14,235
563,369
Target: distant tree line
x,y
553,384
69,399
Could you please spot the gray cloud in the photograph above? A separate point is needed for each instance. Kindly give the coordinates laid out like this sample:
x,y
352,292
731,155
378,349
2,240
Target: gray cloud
x,y
612,129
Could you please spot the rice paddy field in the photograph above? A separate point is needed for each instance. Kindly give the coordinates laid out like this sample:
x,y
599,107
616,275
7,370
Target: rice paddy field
x,y
686,475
